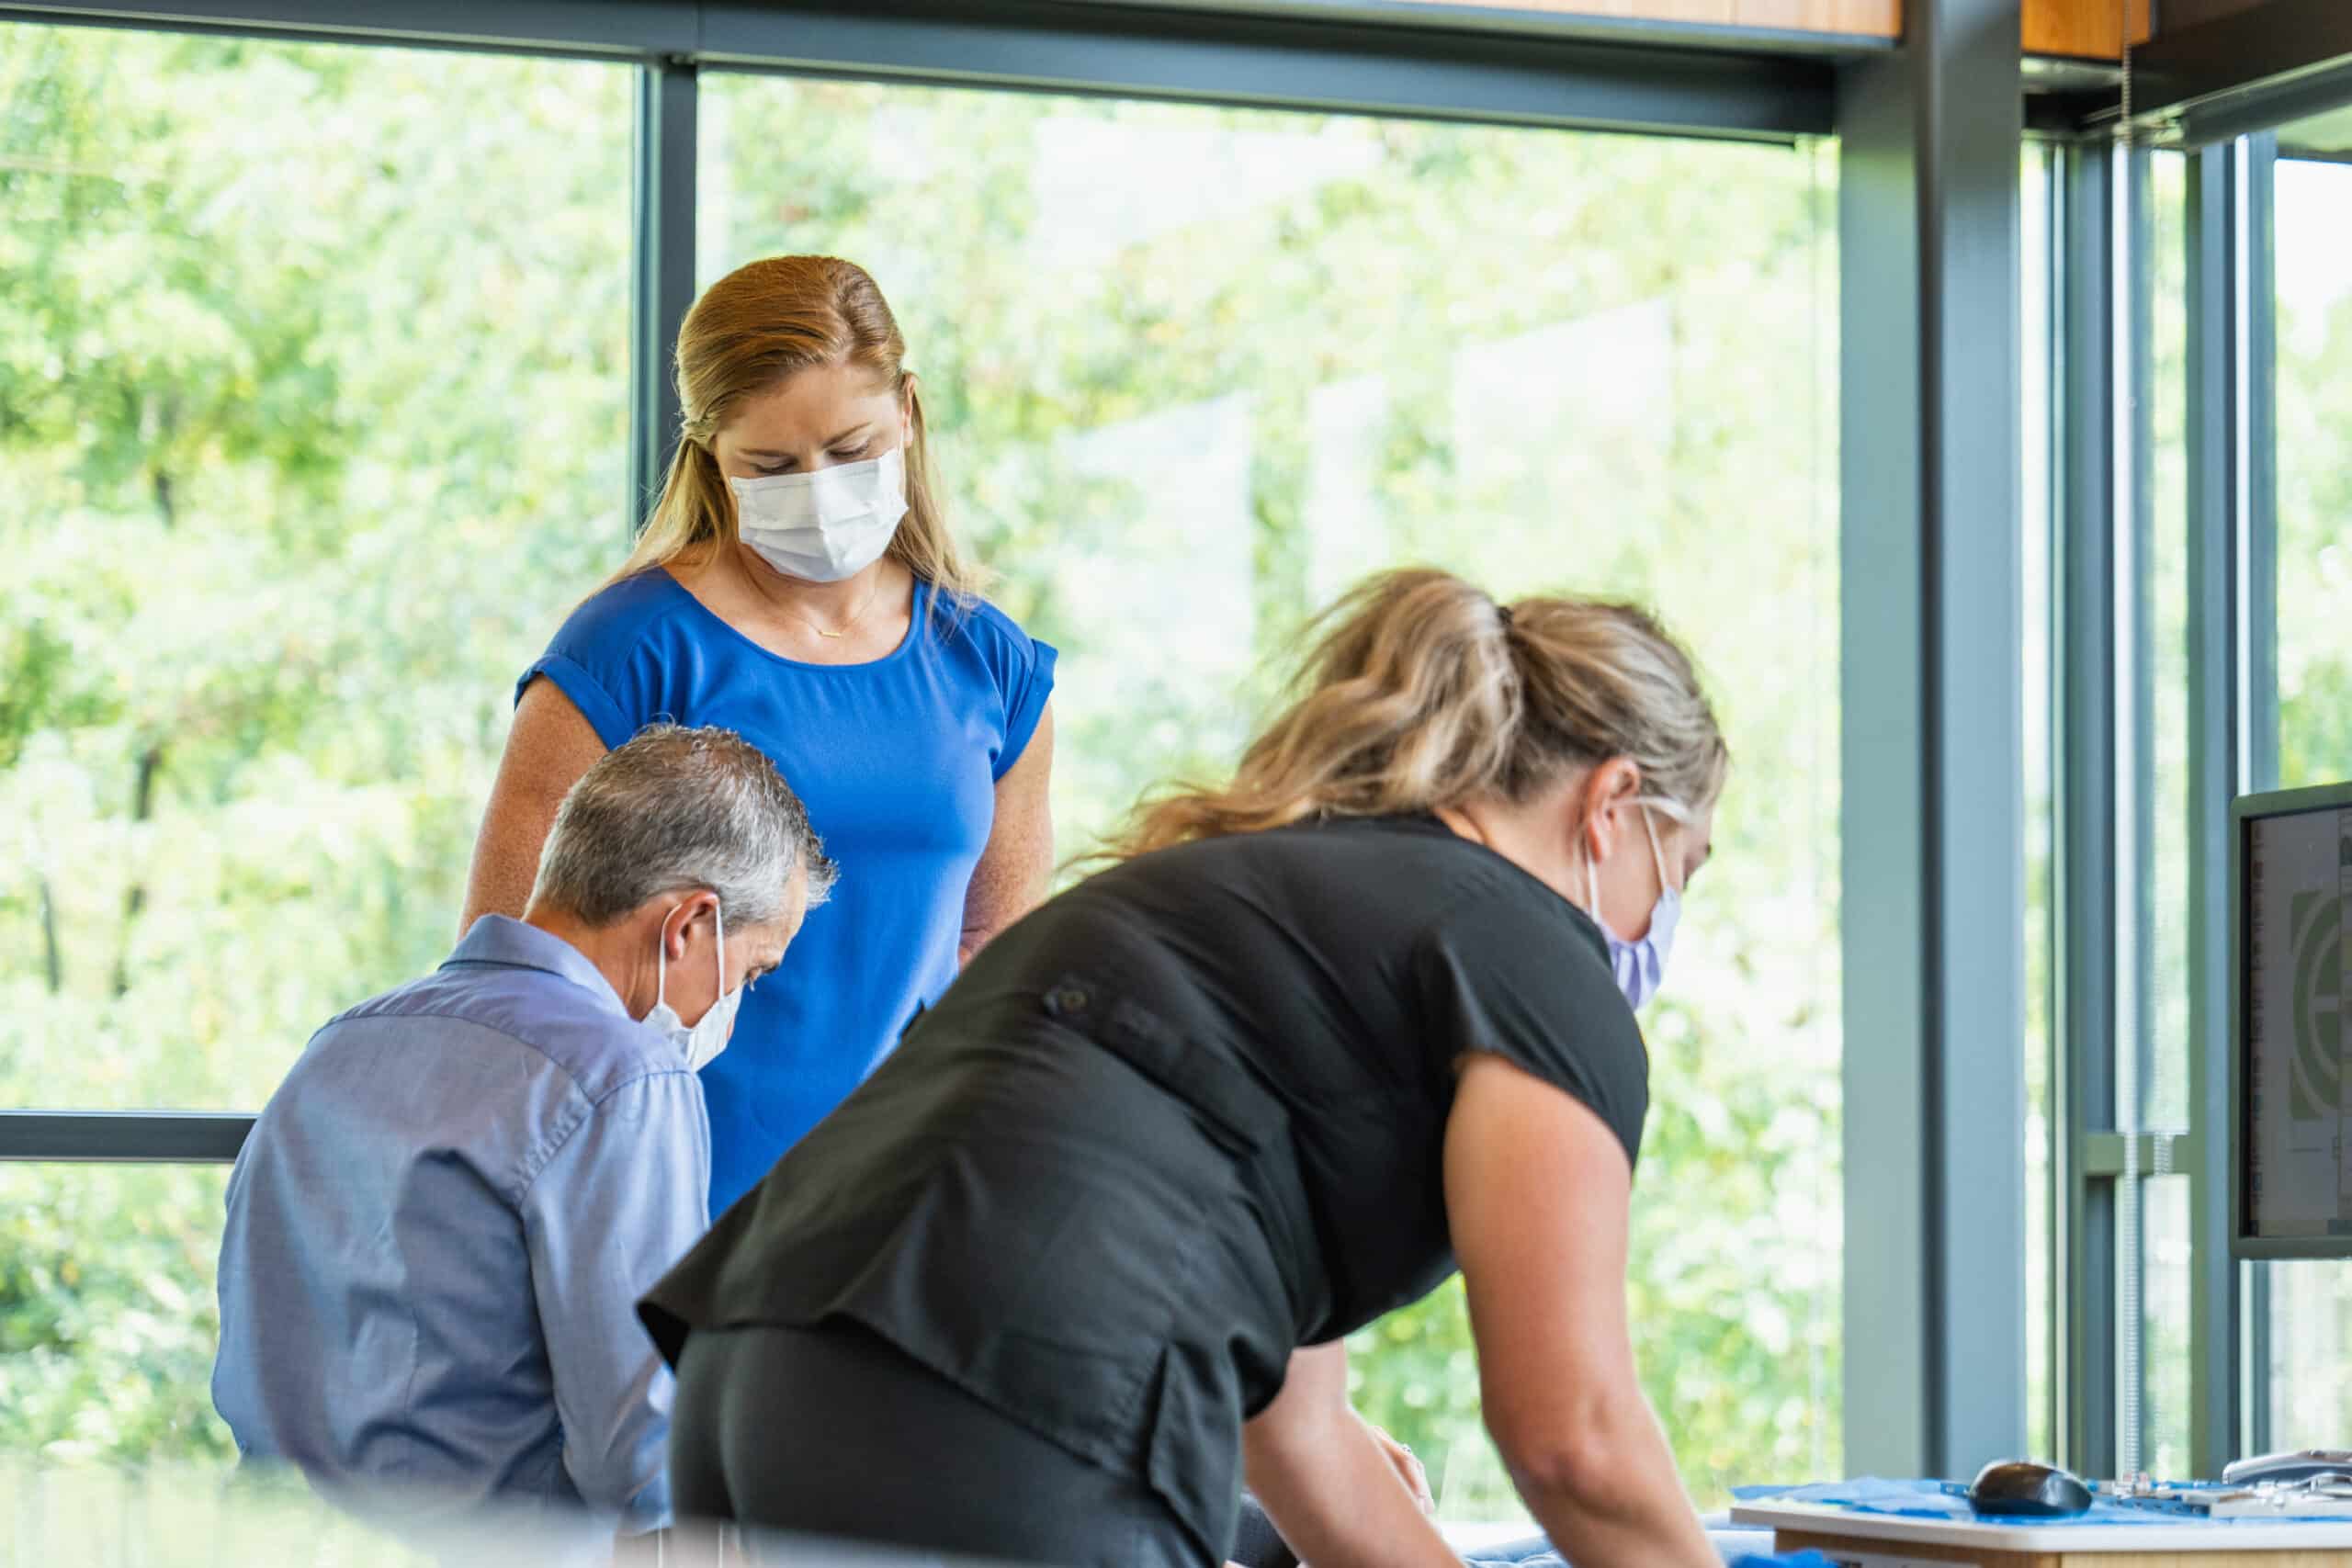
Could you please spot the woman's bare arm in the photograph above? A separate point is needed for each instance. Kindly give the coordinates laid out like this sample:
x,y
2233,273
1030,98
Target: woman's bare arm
x,y
1011,878
1537,1190
550,747
1325,1480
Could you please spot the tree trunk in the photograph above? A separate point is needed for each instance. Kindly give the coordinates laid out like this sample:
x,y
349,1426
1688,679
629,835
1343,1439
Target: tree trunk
x,y
134,899
159,419
53,957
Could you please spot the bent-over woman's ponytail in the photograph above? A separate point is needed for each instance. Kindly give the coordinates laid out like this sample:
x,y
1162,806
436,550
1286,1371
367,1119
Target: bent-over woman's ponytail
x,y
1420,692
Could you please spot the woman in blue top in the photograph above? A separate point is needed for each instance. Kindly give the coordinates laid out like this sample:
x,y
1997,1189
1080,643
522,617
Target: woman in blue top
x,y
796,583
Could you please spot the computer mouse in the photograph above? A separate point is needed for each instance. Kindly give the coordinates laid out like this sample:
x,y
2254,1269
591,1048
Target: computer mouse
x,y
2023,1489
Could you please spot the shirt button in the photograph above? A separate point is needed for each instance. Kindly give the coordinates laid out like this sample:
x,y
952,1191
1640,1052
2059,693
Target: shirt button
x,y
1067,999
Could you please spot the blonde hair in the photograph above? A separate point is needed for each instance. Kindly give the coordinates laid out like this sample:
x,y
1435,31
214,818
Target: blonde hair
x,y
1419,692
750,331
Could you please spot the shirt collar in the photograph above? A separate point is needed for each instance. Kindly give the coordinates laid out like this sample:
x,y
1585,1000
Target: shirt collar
x,y
511,945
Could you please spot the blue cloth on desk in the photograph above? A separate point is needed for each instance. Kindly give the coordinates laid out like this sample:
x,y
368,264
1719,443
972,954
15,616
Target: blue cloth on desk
x,y
1538,1553
1949,1500
1739,1549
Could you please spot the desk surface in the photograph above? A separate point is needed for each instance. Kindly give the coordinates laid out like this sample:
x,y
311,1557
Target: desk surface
x,y
2173,1536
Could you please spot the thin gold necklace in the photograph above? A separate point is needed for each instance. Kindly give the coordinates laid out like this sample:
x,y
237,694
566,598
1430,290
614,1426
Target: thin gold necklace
x,y
846,626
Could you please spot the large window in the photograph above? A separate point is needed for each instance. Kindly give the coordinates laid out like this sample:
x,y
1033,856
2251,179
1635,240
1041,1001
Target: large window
x,y
2314,236
2271,304
2310,1328
312,420
314,412
2119,671
1193,370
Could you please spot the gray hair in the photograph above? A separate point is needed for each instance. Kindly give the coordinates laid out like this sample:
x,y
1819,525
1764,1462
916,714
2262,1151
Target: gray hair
x,y
678,808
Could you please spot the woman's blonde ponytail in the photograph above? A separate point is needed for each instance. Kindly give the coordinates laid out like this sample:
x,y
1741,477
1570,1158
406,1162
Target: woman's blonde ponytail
x,y
1420,692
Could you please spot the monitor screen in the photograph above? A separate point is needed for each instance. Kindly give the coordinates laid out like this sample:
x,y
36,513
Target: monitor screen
x,y
2295,1095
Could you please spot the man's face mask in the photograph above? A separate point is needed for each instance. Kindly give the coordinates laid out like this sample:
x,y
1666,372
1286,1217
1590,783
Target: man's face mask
x,y
1640,967
702,1043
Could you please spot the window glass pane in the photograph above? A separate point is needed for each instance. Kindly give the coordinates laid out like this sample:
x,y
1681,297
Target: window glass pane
x,y
1190,370
182,1516
2311,1356
2152,1006
107,1317
2165,1411
2311,1310
2038,319
2164,1088
315,393
2313,228
2164,1018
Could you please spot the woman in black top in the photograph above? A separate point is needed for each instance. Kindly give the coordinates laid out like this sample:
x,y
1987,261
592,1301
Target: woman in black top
x,y
1076,1261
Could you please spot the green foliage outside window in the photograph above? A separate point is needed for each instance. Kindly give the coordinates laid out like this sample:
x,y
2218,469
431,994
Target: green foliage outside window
x,y
312,421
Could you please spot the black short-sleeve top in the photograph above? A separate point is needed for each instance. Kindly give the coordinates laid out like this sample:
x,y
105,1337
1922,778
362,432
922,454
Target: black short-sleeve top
x,y
1181,1120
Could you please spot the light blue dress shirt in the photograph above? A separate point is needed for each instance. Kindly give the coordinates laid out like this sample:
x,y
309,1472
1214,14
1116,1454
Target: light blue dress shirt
x,y
439,1232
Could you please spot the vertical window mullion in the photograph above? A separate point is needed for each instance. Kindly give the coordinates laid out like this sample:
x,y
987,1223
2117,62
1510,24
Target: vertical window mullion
x,y
2217,429
2084,1070
2257,614
662,268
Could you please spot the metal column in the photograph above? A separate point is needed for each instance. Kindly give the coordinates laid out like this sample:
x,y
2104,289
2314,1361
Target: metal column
x,y
2219,473
2083,1071
662,272
2257,629
1933,747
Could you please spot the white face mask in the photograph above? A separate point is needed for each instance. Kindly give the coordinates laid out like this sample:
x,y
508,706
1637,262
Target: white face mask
x,y
828,524
702,1042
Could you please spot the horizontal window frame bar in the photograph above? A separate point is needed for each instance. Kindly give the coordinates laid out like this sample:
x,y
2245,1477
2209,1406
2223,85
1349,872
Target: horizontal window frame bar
x,y
1501,16
1698,81
623,31
1583,82
2104,1156
133,1137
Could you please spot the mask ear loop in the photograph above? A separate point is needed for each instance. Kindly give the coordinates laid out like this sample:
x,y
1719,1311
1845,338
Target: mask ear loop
x,y
662,965
1657,856
1674,813
719,918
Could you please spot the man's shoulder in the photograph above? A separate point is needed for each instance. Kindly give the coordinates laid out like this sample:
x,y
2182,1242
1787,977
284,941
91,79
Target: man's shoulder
x,y
546,1019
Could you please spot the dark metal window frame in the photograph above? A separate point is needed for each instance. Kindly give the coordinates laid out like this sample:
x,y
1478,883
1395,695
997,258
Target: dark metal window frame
x,y
2196,89
1932,756
2083,848
662,267
146,1137
2102,1157
1932,746
2255,648
1413,61
2103,1153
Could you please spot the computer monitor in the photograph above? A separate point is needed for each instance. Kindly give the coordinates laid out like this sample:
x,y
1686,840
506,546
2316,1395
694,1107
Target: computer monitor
x,y
2291,1007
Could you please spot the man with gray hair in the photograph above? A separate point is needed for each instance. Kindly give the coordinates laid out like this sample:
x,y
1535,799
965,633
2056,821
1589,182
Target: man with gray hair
x,y
443,1219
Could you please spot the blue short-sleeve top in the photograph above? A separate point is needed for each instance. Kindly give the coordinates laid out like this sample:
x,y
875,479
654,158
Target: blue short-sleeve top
x,y
897,761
